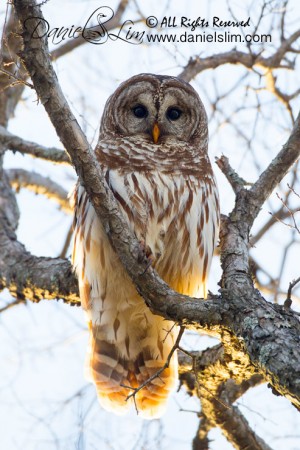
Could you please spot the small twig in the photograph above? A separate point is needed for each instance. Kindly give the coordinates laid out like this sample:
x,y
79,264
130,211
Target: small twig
x,y
168,332
288,301
284,223
157,374
278,216
194,357
17,301
276,170
63,253
19,80
291,213
293,190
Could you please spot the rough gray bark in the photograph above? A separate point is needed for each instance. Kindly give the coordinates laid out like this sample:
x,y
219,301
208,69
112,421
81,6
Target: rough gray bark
x,y
269,334
16,144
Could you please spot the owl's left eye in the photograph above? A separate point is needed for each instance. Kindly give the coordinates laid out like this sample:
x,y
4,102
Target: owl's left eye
x,y
173,113
140,111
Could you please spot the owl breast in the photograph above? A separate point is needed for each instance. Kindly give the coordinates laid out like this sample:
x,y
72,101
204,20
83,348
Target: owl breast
x,y
174,216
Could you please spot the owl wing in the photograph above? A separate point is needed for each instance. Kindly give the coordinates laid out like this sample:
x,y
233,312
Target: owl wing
x,y
127,343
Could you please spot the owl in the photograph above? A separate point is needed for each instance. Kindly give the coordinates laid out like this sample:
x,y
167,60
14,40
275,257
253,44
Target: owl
x,y
152,149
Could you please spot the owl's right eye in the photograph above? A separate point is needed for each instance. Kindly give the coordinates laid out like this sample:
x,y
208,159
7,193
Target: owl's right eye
x,y
140,111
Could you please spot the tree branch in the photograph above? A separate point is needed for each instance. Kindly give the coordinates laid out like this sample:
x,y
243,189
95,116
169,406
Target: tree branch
x,y
10,93
250,60
27,276
20,178
236,182
268,333
71,45
14,303
219,382
275,172
16,144
278,216
201,441
237,430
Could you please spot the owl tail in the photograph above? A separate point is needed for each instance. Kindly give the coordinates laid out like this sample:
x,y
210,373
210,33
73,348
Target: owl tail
x,y
151,401
116,377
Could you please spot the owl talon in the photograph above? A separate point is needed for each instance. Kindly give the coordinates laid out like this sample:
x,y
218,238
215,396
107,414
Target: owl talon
x,y
146,250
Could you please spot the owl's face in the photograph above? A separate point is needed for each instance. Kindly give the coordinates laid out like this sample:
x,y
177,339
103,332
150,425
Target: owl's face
x,y
156,109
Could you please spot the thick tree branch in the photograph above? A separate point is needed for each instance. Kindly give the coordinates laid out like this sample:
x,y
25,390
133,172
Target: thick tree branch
x,y
201,441
20,178
237,430
268,345
35,278
268,333
10,92
218,381
26,275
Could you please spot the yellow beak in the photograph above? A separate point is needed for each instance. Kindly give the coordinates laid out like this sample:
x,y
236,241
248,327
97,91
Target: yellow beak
x,y
155,133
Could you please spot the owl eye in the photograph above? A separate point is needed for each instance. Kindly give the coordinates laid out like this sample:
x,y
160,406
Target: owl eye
x,y
173,113
140,111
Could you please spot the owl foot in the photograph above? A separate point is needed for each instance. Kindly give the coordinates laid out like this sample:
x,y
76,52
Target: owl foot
x,y
146,250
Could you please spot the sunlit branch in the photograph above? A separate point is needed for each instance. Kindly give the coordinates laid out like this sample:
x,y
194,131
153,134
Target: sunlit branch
x,y
210,375
20,178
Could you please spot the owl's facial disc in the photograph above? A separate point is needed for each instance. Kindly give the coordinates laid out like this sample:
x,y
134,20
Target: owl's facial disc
x,y
178,114
159,110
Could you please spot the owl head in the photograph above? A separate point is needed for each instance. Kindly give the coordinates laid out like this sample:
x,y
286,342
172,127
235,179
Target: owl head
x,y
157,109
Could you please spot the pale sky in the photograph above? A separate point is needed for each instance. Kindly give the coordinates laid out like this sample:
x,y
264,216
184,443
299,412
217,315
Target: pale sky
x,y
45,402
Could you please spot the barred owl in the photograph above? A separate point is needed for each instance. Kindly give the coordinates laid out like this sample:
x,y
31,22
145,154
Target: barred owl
x,y
153,151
